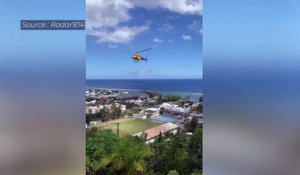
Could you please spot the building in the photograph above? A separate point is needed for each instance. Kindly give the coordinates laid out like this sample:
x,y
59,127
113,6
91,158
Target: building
x,y
153,133
175,108
140,116
132,96
153,111
92,110
123,97
90,102
135,102
123,108
166,105
197,115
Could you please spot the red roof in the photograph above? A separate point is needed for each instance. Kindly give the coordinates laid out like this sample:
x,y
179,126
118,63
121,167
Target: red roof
x,y
164,128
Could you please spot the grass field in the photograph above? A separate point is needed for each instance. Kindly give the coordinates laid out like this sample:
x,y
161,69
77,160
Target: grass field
x,y
132,126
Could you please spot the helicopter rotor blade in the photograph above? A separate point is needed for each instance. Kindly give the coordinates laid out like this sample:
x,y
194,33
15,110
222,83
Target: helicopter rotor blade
x,y
144,50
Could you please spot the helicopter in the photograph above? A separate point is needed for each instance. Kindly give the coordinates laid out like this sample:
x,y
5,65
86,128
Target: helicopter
x,y
138,57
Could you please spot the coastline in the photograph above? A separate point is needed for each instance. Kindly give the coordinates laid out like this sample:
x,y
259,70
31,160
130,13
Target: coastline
x,y
193,95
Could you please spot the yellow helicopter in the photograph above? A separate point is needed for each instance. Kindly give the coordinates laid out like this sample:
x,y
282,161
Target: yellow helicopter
x,y
138,57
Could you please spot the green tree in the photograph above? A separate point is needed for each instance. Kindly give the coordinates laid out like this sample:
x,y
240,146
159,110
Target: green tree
x,y
170,155
107,154
129,105
187,97
199,108
105,115
147,105
159,99
98,145
195,149
127,157
196,173
191,125
152,94
201,99
160,137
162,110
149,115
173,172
171,98
117,112
130,112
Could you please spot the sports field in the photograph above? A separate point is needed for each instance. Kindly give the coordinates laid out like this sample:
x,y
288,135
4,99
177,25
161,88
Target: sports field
x,y
131,126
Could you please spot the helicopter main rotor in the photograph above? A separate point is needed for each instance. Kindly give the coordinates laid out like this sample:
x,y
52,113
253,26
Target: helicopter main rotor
x,y
143,50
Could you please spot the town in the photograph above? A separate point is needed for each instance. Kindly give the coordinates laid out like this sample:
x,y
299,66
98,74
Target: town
x,y
146,112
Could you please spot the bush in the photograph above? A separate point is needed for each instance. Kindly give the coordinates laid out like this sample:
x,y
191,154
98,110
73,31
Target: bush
x,y
171,98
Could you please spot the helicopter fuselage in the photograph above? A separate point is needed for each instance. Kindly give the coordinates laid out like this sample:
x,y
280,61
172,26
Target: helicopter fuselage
x,y
138,57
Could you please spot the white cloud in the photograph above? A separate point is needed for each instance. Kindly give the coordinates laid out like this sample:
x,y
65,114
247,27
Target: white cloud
x,y
179,6
102,14
186,37
120,34
173,17
105,19
167,27
196,26
112,46
144,72
156,40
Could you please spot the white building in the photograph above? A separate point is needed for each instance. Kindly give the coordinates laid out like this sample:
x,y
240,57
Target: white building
x,y
123,108
175,108
153,110
140,116
153,133
166,105
92,110
90,102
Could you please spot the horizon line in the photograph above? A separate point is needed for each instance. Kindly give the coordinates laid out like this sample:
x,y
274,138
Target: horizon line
x,y
144,79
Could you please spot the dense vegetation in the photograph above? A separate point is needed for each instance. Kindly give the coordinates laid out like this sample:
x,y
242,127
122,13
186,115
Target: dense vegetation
x,y
170,98
104,115
106,154
152,94
164,98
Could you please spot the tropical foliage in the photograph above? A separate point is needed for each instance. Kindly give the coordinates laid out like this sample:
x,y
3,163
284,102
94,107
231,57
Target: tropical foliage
x,y
104,114
106,154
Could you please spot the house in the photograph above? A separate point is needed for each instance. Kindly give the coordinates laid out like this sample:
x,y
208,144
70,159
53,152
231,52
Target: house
x,y
123,96
196,115
143,96
123,108
92,110
140,116
152,110
166,105
153,133
90,102
175,108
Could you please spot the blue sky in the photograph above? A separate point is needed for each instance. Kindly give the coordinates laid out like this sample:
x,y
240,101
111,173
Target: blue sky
x,y
172,28
34,52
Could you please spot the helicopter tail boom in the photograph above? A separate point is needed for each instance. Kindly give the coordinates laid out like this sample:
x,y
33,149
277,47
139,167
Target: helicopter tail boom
x,y
145,58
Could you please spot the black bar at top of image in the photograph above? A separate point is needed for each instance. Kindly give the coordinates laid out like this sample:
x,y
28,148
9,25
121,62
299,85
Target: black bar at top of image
x,y
52,24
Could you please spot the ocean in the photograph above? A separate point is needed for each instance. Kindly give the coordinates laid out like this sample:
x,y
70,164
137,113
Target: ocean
x,y
183,87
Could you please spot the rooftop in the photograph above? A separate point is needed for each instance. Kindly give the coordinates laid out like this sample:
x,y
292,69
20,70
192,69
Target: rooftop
x,y
154,132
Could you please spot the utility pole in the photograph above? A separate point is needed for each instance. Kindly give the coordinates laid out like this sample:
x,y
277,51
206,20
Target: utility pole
x,y
118,124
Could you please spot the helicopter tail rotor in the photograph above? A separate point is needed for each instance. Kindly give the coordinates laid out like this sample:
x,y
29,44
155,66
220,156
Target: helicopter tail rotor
x,y
144,58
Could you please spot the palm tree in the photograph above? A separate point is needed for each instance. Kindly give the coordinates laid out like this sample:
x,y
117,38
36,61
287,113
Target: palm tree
x,y
127,157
